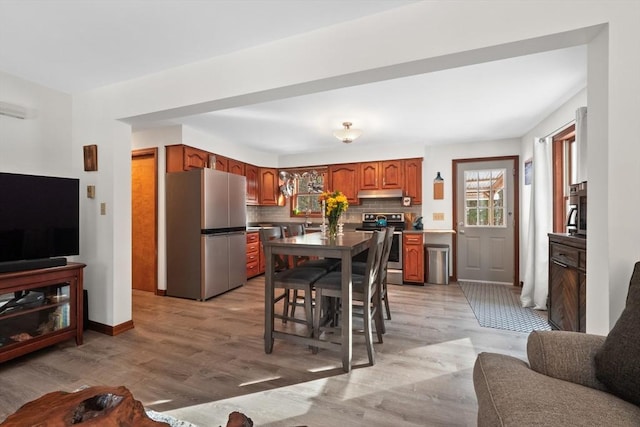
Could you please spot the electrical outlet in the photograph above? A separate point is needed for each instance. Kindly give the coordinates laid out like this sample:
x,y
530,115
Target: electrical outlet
x,y
438,216
103,208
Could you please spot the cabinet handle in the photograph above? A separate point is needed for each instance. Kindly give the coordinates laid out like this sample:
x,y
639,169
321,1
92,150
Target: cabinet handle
x,y
560,264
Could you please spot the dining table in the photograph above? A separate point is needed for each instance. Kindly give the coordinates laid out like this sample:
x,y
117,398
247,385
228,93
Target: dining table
x,y
342,247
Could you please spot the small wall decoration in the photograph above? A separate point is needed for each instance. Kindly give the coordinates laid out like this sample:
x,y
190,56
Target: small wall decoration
x,y
406,201
528,171
438,187
90,157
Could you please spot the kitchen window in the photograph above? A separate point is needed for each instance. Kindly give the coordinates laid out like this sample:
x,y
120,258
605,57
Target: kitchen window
x,y
308,185
484,198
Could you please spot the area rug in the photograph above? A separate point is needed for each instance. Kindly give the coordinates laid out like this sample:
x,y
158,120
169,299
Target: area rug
x,y
497,306
164,418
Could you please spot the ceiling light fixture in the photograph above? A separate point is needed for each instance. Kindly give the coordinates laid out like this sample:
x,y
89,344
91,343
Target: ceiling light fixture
x,y
347,135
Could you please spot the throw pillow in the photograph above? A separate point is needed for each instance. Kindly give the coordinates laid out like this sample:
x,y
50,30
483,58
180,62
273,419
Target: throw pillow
x,y
617,361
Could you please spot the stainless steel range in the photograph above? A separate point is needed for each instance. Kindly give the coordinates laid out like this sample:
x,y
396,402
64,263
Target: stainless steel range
x,y
378,221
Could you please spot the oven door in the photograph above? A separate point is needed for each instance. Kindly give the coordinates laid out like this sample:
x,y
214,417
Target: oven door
x,y
395,256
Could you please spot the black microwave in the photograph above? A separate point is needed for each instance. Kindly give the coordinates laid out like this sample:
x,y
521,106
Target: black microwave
x,y
577,218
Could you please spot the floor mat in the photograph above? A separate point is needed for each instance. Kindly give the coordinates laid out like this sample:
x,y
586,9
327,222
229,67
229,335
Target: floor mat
x,y
497,306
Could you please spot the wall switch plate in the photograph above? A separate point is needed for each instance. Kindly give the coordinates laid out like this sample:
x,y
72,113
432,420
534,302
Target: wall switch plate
x,y
91,191
103,208
438,216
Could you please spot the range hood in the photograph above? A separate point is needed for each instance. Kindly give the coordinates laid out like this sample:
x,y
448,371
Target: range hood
x,y
380,194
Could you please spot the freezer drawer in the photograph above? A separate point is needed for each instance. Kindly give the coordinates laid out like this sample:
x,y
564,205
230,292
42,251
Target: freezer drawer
x,y
215,265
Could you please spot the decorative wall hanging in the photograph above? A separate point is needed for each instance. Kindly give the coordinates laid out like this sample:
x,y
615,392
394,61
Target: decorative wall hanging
x,y
90,157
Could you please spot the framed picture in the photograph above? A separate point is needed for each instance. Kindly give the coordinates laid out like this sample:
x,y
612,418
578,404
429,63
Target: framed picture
x,y
528,171
90,157
406,201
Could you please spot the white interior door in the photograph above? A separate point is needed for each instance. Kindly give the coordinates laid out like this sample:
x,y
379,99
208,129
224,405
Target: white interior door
x,y
485,217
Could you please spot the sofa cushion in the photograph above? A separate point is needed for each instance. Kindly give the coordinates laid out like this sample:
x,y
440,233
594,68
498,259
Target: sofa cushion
x,y
511,394
617,361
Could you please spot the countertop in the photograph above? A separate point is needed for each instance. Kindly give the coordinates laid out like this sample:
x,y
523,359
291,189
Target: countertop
x,y
430,230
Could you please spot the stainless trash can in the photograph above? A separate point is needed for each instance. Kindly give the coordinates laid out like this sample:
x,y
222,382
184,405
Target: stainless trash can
x,y
437,264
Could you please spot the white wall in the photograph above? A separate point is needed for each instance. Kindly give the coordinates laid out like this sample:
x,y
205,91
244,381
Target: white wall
x,y
40,144
391,44
556,121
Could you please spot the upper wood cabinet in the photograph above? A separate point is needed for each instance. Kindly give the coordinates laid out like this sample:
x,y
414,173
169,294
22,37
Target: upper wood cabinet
x,y
251,172
344,178
183,158
222,163
268,187
413,180
381,175
236,167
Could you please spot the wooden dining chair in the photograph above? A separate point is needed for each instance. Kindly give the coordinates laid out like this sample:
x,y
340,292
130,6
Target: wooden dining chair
x,y
328,264
358,267
292,279
365,297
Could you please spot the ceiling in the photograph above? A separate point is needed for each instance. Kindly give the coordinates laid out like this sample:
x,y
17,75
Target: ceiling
x,y
74,46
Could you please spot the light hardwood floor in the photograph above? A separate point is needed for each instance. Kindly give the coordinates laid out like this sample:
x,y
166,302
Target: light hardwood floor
x,y
199,361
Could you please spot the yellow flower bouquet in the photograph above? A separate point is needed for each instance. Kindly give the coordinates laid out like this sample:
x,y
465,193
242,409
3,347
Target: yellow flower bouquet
x,y
334,204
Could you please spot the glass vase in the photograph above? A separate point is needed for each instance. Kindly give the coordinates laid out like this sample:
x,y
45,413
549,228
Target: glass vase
x,y
333,227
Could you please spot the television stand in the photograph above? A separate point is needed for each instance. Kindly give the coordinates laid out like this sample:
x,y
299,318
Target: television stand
x,y
31,264
40,308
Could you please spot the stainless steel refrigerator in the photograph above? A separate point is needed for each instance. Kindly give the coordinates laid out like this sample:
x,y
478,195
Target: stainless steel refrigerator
x,y
205,233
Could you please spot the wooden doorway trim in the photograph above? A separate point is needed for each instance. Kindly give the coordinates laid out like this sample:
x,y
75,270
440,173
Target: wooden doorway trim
x,y
516,212
140,154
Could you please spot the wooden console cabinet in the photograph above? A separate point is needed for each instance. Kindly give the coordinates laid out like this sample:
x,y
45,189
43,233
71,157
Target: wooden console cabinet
x,y
39,308
567,282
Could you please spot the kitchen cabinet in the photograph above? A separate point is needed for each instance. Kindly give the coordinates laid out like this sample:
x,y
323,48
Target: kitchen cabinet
x,y
251,173
268,187
236,167
381,175
183,158
567,282
40,308
344,178
253,254
222,163
412,258
413,180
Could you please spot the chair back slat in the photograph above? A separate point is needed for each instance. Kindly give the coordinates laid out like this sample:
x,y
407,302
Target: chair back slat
x,y
373,262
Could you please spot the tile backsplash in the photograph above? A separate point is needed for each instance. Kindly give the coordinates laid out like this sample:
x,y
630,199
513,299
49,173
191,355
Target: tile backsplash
x,y
278,214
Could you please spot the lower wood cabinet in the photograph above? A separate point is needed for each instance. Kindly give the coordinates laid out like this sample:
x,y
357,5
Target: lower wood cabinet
x,y
567,282
412,258
253,254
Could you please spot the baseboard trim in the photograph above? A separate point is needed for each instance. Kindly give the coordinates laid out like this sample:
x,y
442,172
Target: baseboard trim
x,y
110,330
161,292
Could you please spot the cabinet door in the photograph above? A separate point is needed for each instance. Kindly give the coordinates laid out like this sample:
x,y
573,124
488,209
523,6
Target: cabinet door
x,y
268,188
251,173
369,176
413,180
563,297
345,178
195,158
222,163
582,301
391,175
412,258
236,167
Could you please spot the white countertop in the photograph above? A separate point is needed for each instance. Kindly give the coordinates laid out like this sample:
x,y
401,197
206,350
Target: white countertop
x,y
431,230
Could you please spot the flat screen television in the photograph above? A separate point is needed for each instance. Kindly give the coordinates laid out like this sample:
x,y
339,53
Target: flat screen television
x,y
39,221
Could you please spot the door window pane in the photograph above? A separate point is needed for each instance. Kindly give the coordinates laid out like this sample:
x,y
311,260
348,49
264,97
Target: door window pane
x,y
484,197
